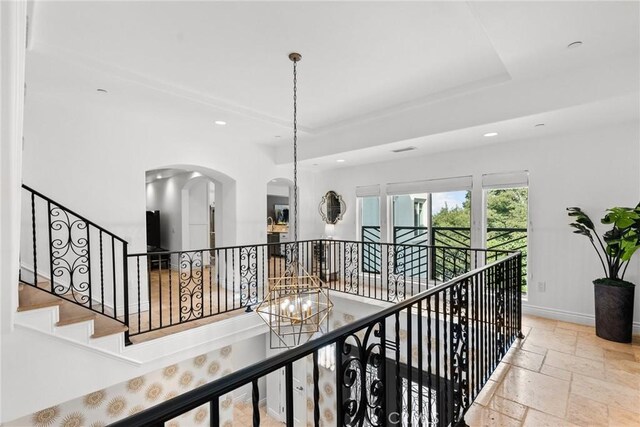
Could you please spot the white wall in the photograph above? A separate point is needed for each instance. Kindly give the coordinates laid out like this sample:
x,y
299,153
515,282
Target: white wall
x,y
198,199
12,59
594,169
93,159
246,353
42,370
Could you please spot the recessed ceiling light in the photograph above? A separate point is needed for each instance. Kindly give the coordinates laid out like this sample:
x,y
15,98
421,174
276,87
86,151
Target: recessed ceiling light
x,y
491,134
315,164
220,122
158,176
539,124
274,180
575,44
340,160
101,90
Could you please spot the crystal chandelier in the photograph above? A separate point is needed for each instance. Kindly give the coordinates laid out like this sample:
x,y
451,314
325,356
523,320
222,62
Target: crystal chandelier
x,y
297,305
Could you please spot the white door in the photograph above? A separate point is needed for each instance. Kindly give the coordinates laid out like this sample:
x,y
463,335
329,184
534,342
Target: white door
x,y
300,393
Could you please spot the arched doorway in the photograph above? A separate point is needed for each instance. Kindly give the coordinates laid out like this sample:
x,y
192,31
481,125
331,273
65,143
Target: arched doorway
x,y
195,207
280,222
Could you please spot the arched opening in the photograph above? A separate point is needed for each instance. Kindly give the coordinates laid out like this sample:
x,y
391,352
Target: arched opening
x,y
189,207
280,219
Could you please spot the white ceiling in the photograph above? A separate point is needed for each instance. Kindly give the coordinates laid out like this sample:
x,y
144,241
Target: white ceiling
x,y
374,75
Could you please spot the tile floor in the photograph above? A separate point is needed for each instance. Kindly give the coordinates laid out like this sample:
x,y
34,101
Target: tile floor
x,y
243,416
562,374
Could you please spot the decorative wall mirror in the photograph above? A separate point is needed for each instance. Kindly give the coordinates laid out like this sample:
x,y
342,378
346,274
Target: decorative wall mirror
x,y
332,207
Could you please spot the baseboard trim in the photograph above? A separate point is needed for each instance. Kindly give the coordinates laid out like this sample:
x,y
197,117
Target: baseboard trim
x,y
273,414
246,398
81,345
566,316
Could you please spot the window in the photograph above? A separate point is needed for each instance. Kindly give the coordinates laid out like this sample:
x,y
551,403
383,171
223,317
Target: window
x,y
410,219
451,219
507,219
370,233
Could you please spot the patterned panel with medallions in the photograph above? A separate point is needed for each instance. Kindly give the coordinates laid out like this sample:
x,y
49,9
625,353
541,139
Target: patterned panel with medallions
x,y
103,407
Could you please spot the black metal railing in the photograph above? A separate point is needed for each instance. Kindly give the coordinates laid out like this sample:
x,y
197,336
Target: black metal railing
x,y
371,255
454,237
411,235
176,287
498,238
510,239
71,257
422,361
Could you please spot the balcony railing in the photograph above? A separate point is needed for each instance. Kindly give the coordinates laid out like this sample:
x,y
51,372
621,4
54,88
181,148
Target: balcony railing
x,y
456,310
498,238
423,360
371,253
177,287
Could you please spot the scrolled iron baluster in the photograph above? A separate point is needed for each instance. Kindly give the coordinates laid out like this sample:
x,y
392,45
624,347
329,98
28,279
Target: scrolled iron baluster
x,y
248,276
351,381
374,394
351,268
361,378
69,248
191,283
459,348
395,280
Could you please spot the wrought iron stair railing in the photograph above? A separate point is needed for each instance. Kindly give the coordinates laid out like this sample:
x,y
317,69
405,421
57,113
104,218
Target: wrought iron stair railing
x,y
73,258
177,287
424,359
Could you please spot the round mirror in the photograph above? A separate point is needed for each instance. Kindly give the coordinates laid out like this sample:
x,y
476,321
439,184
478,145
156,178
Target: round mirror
x,y
332,207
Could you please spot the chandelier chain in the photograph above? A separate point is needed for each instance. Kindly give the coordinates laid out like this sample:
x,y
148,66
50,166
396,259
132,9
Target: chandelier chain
x,y
295,152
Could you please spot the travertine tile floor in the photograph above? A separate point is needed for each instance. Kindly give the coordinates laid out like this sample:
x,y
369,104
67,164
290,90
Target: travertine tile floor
x,y
243,416
562,374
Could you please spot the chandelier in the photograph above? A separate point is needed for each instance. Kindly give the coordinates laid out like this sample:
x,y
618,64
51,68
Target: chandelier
x,y
297,304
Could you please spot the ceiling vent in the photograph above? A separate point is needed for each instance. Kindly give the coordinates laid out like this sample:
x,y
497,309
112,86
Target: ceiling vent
x,y
402,150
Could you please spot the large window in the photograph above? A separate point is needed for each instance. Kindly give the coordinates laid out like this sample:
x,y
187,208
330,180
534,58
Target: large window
x,y
507,218
370,233
411,219
438,214
438,219
451,219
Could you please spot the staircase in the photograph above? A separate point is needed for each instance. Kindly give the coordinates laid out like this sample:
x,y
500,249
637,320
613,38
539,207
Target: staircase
x,y
41,310
73,275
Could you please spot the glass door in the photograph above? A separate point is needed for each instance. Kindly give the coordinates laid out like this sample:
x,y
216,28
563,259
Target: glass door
x,y
507,214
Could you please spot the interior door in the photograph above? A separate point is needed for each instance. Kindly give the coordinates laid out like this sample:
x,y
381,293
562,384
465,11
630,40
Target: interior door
x,y
300,393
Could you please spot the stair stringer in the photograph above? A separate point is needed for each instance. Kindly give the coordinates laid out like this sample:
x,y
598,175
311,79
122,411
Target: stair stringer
x,y
53,365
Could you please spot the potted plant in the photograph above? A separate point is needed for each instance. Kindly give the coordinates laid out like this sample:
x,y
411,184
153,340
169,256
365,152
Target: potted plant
x,y
613,295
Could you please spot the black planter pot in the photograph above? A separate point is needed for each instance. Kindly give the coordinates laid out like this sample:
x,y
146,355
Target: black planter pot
x,y
614,312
